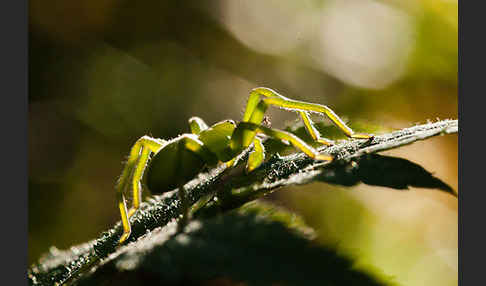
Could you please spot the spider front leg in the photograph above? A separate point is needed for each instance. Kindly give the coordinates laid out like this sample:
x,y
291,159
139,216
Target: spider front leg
x,y
311,129
261,97
131,176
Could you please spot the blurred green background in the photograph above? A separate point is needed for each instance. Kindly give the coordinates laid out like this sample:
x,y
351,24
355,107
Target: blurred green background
x,y
104,73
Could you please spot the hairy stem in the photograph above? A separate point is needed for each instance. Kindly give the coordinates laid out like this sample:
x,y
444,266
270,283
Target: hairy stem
x,y
233,187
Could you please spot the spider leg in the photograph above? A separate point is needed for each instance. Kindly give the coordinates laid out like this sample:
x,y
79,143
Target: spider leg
x,y
136,178
192,143
257,156
124,217
311,129
197,125
253,100
294,140
133,173
245,128
147,145
181,224
271,97
181,191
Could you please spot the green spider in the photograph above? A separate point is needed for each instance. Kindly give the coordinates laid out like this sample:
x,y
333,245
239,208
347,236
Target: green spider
x,y
177,161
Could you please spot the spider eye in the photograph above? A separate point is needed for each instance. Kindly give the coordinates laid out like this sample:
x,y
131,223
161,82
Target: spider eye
x,y
232,122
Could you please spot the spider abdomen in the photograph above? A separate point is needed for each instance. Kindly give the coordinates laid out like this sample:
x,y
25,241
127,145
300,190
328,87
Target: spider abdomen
x,y
172,166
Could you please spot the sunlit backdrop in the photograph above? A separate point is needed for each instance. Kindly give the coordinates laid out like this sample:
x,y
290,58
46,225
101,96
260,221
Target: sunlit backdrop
x,y
104,73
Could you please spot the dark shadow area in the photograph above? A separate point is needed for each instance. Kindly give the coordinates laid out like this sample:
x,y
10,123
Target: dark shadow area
x,y
243,246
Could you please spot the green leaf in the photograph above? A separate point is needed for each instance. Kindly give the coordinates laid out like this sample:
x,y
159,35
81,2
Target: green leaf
x,y
386,171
